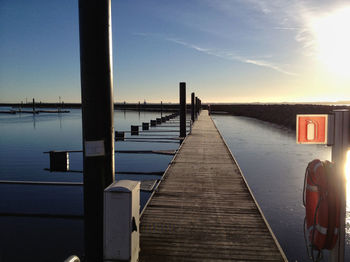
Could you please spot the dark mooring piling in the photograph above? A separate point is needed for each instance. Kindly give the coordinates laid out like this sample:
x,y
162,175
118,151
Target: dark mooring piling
x,y
192,107
97,117
182,109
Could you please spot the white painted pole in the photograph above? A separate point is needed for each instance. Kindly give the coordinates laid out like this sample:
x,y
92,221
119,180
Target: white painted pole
x,y
339,151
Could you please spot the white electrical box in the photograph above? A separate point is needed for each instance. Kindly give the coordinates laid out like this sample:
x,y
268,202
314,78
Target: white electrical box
x,y
121,221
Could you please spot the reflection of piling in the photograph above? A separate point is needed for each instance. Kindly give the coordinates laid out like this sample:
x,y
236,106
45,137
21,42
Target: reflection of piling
x,y
182,109
97,116
192,107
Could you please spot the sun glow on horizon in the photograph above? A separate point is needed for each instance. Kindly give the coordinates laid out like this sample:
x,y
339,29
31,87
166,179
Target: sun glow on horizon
x,y
333,41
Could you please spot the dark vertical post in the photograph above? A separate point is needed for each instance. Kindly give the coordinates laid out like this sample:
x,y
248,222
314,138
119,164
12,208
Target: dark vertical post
x,y
182,109
33,105
192,107
97,117
161,108
196,107
339,153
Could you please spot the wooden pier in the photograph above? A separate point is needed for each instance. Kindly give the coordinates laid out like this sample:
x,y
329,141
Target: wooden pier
x,y
203,210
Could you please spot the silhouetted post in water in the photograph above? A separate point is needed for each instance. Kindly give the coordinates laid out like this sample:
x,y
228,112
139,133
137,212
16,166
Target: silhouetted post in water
x,y
161,108
97,115
339,151
139,106
192,107
196,106
182,109
33,105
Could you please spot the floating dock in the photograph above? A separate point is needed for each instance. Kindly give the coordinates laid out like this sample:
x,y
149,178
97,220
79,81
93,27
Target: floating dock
x,y
204,210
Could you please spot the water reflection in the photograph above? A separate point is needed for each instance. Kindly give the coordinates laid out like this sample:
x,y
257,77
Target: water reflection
x,y
34,122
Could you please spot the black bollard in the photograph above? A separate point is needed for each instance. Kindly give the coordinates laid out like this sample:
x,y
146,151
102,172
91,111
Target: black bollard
x,y
59,161
119,136
153,122
134,130
145,126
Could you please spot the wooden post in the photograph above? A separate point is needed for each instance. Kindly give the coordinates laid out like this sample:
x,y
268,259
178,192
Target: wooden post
x,y
182,109
33,105
161,109
97,117
197,106
192,107
339,152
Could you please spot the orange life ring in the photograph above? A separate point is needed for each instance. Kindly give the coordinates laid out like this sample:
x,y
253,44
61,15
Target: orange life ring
x,y
322,205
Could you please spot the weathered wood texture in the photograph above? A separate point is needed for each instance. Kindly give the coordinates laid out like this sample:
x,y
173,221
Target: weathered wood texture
x,y
203,209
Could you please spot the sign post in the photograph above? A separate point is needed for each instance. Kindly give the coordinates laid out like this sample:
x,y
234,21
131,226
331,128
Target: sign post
x,y
332,130
339,151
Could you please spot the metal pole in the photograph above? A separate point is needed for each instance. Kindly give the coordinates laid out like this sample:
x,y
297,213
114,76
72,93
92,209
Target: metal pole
x,y
192,107
339,151
182,109
97,117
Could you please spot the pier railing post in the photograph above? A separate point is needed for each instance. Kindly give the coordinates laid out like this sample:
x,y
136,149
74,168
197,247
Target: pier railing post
x,y
339,152
97,117
192,107
182,109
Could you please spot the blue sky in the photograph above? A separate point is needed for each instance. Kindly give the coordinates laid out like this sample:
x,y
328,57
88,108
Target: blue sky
x,y
226,50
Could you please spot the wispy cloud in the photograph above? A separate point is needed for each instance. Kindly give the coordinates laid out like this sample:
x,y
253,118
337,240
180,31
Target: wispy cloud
x,y
229,55
224,54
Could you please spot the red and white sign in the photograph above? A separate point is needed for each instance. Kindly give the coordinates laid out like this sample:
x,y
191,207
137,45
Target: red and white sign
x,y
312,129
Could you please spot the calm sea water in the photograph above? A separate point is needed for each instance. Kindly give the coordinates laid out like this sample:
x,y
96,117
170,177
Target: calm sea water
x,y
270,159
274,166
23,139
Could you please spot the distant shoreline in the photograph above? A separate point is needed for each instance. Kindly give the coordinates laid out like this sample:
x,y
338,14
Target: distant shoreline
x,y
281,114
127,106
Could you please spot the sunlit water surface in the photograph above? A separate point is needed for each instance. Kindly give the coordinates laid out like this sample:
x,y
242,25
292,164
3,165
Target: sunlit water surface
x,y
274,166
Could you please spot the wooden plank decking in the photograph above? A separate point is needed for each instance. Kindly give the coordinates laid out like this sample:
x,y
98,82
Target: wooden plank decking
x,y
203,210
